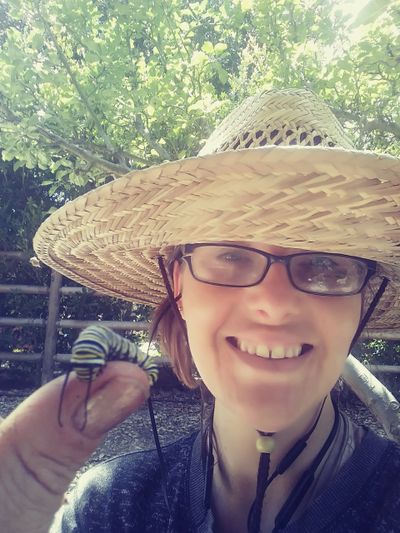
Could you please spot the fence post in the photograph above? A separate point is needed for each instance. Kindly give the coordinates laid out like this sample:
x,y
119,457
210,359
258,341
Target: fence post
x,y
50,342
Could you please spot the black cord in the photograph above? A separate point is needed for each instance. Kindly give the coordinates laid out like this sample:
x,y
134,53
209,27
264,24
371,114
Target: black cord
x,y
370,310
254,516
62,398
306,480
160,454
209,465
91,372
263,482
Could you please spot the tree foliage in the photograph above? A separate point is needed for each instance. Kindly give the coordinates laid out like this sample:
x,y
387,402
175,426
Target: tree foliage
x,y
90,88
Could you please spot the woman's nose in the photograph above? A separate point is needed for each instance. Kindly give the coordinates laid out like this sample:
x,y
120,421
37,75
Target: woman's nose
x,y
274,298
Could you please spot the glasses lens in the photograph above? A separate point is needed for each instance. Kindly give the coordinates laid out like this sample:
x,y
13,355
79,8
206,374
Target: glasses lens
x,y
227,265
328,273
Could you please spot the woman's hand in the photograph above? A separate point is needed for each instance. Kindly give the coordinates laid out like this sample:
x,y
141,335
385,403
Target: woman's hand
x,y
39,459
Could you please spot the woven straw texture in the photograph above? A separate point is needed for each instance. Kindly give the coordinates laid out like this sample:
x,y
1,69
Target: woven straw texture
x,y
304,187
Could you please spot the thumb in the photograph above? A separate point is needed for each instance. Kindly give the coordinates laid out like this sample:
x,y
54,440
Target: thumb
x,y
39,458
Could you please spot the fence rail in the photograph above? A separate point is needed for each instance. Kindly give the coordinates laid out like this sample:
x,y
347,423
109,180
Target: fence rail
x,y
74,324
53,323
42,289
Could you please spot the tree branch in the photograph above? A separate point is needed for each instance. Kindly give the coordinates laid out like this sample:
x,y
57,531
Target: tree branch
x,y
74,148
101,150
78,88
369,125
9,115
374,394
162,152
114,169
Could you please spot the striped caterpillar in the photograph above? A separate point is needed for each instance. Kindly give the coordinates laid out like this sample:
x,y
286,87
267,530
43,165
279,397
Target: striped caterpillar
x,y
94,347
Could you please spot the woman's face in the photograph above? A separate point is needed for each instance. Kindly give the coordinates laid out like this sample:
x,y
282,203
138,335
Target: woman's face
x,y
225,324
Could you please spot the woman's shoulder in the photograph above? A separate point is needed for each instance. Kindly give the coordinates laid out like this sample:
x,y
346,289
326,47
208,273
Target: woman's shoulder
x,y
386,449
376,461
170,452
365,494
129,491
140,466
375,482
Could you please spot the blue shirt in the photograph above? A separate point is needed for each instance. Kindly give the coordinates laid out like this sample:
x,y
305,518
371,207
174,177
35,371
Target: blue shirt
x,y
125,494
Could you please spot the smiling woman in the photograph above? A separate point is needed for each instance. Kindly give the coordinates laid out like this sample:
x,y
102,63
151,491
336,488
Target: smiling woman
x,y
265,257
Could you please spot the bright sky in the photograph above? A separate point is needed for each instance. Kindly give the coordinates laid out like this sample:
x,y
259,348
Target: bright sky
x,y
353,8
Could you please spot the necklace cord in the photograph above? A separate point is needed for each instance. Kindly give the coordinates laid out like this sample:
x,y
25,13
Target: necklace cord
x,y
306,479
263,481
254,516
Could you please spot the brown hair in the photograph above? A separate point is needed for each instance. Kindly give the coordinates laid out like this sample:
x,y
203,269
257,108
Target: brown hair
x,y
173,342
171,333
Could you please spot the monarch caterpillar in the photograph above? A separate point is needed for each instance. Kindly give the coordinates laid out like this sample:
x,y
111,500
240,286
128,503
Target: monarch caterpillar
x,y
94,347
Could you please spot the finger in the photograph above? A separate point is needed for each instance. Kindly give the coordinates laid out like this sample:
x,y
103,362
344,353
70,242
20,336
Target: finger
x,y
39,458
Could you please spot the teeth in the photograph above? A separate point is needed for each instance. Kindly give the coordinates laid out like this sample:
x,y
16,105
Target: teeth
x,y
296,351
276,352
262,351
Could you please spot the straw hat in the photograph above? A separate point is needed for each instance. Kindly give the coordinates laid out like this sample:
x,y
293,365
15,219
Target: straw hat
x,y
279,169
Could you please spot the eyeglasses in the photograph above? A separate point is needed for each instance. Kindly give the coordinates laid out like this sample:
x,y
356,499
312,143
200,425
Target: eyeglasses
x,y
310,272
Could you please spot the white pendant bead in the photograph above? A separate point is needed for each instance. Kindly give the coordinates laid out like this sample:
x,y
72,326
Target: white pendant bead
x,y
265,444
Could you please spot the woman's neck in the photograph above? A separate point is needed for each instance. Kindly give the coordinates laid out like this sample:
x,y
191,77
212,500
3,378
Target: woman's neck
x,y
237,460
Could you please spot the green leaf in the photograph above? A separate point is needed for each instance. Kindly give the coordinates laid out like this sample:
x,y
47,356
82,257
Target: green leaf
x,y
246,5
208,47
54,188
37,40
198,58
7,156
220,48
17,164
61,173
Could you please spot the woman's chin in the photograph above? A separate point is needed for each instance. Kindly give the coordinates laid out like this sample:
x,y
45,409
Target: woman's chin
x,y
263,415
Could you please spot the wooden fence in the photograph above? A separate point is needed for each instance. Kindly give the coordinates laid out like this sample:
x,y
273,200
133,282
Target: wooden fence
x,y
54,293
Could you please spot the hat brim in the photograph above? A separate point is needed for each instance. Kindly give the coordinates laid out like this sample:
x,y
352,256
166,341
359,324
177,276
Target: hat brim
x,y
313,198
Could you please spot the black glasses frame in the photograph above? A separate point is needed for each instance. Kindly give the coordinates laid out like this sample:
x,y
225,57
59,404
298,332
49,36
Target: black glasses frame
x,y
282,259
